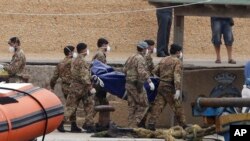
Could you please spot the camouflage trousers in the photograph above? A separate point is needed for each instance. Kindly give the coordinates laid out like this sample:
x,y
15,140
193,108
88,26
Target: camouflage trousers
x,y
163,98
74,98
137,104
66,92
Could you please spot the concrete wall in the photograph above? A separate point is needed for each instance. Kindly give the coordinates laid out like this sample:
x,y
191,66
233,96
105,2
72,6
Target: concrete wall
x,y
201,82
196,82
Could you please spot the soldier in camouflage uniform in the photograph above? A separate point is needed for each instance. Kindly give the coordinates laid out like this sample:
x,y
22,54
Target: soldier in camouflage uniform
x,y
169,71
63,71
81,89
18,62
136,74
150,67
100,55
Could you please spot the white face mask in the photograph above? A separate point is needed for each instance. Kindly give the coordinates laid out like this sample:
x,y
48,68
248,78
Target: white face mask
x,y
88,52
181,55
154,50
108,48
11,49
74,54
147,51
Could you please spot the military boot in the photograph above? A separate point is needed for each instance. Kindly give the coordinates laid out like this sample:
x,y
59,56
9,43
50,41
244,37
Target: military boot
x,y
75,128
89,128
60,128
151,127
142,123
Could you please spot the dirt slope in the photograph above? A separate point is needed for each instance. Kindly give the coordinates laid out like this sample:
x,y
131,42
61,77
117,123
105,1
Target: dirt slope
x,y
45,36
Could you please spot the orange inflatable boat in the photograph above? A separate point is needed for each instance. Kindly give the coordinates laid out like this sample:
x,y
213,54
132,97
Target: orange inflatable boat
x,y
27,112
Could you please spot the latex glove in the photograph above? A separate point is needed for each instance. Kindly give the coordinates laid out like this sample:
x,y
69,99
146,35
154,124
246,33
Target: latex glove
x,y
177,95
94,78
100,82
1,66
93,91
152,86
97,80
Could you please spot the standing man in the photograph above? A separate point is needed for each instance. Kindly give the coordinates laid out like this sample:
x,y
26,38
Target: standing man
x,y
136,74
100,55
222,26
81,89
63,71
169,71
18,62
164,19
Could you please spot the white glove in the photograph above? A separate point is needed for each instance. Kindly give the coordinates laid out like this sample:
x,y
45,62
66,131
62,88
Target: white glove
x,y
94,78
1,66
97,80
152,86
100,82
93,91
177,95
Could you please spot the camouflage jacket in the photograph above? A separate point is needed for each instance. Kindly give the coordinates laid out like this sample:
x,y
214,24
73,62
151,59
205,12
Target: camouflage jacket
x,y
17,63
100,56
149,63
135,68
169,70
63,71
80,71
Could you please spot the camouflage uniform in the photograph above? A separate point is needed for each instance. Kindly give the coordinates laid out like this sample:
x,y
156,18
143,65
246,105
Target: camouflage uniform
x,y
63,71
79,90
169,70
16,67
100,56
149,63
150,68
136,75
101,95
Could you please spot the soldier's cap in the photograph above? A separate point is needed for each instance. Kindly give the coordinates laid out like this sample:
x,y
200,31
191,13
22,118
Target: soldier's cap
x,y
142,45
174,48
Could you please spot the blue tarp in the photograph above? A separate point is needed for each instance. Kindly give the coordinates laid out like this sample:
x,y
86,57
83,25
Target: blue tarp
x,y
114,81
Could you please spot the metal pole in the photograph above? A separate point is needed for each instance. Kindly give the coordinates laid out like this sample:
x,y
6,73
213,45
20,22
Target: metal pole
x,y
223,102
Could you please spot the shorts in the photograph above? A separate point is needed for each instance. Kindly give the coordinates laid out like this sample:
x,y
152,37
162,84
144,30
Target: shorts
x,y
221,26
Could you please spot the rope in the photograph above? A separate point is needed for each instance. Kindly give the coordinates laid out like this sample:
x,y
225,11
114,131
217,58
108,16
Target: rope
x,y
107,13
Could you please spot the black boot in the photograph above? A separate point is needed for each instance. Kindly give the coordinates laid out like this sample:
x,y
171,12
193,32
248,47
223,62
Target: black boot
x,y
75,128
151,127
142,123
89,128
60,128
